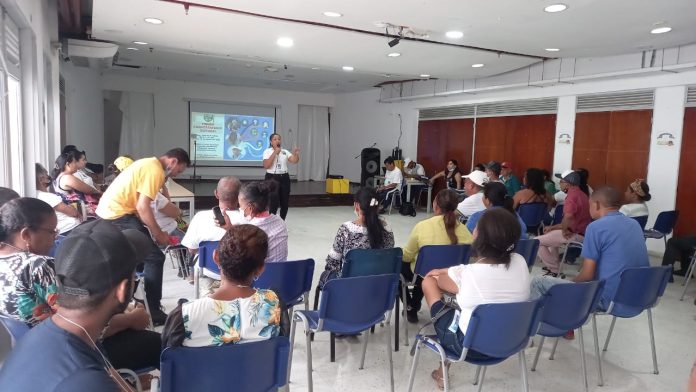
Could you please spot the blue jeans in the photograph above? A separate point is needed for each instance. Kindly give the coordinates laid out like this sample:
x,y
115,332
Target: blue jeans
x,y
154,262
542,284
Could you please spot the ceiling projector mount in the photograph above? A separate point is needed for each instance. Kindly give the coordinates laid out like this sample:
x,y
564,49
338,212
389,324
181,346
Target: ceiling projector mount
x,y
397,33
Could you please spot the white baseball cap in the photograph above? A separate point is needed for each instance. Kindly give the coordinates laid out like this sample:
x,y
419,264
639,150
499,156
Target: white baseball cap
x,y
407,161
478,177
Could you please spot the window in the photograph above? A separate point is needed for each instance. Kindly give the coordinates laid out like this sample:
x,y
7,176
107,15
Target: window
x,y
11,151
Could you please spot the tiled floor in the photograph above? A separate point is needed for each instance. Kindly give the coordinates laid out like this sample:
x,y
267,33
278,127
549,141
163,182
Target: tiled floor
x,y
627,363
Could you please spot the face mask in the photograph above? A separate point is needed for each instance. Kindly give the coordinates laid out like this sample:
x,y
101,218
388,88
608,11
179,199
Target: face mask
x,y
243,211
356,213
168,171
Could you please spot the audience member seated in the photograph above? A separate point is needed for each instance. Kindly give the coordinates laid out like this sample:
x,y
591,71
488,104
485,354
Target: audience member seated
x,y
392,180
236,312
637,193
69,186
473,186
495,196
534,191
451,174
512,183
548,183
167,215
584,177
94,269
576,217
442,229
7,194
367,231
414,171
68,216
480,167
93,171
493,170
497,276
120,164
679,249
613,242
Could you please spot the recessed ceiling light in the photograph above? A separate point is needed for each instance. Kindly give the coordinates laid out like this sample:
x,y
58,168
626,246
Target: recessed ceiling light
x,y
387,75
556,8
140,43
348,68
454,34
394,54
660,30
316,68
131,48
332,14
154,21
552,49
285,42
425,76
479,65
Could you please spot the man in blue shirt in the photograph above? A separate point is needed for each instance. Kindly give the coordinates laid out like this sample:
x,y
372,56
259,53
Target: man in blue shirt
x,y
94,269
613,242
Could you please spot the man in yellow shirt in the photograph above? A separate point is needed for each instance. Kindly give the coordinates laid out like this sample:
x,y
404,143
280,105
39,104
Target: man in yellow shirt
x,y
126,203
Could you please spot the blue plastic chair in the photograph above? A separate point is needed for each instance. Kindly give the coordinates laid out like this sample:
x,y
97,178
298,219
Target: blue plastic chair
x,y
56,245
639,289
349,306
497,331
664,224
532,215
567,307
557,215
15,328
528,249
205,262
290,280
642,220
256,366
432,257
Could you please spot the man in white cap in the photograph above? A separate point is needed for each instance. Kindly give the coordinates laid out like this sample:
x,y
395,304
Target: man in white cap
x,y
413,169
473,186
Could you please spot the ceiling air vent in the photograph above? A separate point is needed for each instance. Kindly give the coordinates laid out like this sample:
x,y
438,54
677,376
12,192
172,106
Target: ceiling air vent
x,y
493,109
691,96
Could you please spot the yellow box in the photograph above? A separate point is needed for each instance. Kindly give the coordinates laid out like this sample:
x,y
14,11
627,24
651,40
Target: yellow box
x,y
334,185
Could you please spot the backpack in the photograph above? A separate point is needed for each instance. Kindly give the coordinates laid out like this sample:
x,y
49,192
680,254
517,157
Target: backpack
x,y
407,209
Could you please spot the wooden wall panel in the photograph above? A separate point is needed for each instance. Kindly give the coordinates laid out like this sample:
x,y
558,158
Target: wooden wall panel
x,y
613,146
686,186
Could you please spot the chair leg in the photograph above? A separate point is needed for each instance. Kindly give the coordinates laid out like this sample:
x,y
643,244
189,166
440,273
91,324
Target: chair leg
x,y
483,375
310,382
404,289
553,350
538,351
652,342
364,349
414,365
687,277
332,345
316,298
396,324
611,329
306,301
293,327
596,347
582,358
523,369
391,359
476,375
196,282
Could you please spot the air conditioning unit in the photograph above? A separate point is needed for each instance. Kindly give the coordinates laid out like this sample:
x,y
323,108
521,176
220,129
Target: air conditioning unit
x,y
92,54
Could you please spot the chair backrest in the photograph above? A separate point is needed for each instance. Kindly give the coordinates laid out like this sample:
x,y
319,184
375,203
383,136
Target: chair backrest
x,y
501,330
14,327
528,249
56,245
639,289
351,305
558,214
567,306
290,280
532,214
365,262
642,220
432,257
256,366
665,222
205,256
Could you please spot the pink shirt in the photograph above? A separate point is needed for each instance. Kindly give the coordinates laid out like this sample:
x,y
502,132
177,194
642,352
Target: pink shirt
x,y
578,205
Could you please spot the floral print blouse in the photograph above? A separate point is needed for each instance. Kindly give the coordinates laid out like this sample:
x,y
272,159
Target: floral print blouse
x,y
28,290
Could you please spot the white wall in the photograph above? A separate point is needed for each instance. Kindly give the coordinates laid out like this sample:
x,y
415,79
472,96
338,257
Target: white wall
x,y
171,110
84,110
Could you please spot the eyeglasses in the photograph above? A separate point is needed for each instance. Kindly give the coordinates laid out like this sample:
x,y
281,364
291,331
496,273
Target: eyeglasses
x,y
53,232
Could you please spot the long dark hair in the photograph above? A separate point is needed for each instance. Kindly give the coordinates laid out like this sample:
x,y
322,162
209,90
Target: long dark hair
x,y
535,181
584,176
497,194
257,194
62,160
497,233
23,212
367,200
447,201
456,168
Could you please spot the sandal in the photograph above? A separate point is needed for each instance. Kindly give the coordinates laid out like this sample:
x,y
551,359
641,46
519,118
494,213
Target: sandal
x,y
438,377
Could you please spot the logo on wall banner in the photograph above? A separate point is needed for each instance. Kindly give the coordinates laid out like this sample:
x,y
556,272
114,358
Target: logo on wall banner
x,y
208,117
665,139
564,138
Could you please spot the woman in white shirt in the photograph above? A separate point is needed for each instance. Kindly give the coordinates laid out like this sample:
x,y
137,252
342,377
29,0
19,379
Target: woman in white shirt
x,y
66,183
497,276
637,193
275,161
68,216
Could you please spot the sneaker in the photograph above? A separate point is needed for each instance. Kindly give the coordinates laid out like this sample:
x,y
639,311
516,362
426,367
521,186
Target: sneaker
x,y
412,316
570,335
158,316
551,274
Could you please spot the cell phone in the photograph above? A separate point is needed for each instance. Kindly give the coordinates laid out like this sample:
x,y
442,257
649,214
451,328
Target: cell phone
x,y
218,215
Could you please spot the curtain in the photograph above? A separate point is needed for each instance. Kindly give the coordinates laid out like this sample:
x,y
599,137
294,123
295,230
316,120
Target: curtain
x,y
313,140
138,125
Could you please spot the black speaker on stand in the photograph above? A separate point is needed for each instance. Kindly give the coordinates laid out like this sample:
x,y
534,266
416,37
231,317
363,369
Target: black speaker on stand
x,y
369,166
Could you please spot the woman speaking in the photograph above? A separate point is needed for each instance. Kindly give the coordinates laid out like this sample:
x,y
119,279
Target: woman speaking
x,y
275,161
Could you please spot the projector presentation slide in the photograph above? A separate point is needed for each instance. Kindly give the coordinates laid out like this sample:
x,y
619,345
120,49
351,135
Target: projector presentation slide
x,y
225,137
